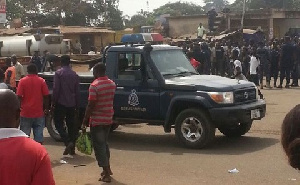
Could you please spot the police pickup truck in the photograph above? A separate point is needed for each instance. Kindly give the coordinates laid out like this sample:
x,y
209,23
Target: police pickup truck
x,y
158,85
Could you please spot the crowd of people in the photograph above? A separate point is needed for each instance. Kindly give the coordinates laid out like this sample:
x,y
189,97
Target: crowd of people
x,y
258,62
28,106
27,110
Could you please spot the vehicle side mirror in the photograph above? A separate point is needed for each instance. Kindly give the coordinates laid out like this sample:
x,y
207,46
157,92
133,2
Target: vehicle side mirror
x,y
137,75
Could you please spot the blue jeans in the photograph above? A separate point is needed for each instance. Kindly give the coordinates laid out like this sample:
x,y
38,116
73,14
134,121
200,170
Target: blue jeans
x,y
37,124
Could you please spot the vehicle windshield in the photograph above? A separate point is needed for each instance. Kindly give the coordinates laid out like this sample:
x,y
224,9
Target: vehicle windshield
x,y
172,62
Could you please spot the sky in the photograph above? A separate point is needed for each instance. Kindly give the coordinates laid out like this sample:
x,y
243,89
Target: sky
x,y
131,7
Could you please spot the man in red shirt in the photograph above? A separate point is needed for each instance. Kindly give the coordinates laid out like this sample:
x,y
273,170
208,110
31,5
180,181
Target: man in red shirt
x,y
33,93
99,114
22,160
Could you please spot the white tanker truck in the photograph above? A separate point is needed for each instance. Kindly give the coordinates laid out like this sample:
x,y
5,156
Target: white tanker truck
x,y
25,45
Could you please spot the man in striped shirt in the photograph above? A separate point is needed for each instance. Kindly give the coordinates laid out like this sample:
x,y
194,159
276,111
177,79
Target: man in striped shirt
x,y
99,114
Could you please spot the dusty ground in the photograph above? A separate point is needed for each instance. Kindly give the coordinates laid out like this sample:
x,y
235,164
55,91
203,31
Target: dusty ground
x,y
143,154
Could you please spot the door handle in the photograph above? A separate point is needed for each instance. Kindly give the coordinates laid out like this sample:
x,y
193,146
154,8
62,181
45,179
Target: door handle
x,y
120,88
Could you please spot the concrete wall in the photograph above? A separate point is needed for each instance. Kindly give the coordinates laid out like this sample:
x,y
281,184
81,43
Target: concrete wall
x,y
179,26
100,39
281,26
250,24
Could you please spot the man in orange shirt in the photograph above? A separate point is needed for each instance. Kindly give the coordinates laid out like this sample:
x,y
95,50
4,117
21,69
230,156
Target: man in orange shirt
x,y
10,74
22,160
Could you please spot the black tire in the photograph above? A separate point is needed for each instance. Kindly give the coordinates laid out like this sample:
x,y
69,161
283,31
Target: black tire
x,y
114,127
198,121
237,130
51,128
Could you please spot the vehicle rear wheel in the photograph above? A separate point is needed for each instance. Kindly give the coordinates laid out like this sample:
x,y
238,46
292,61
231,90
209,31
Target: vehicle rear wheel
x,y
51,128
236,130
194,129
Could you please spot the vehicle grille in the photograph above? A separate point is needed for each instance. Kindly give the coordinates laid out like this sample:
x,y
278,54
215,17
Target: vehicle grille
x,y
244,95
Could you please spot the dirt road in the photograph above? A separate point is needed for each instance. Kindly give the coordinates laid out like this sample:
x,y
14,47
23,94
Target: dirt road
x,y
144,155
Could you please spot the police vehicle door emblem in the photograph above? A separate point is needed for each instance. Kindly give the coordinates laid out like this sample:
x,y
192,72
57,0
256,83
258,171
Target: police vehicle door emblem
x,y
133,99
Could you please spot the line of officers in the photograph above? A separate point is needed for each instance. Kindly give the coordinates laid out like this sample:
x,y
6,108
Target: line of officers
x,y
278,58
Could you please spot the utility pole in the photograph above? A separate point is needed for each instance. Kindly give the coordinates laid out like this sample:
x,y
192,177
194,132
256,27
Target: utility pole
x,y
243,15
105,15
242,21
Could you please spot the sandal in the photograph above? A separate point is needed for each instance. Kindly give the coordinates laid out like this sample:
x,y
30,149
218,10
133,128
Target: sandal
x,y
105,178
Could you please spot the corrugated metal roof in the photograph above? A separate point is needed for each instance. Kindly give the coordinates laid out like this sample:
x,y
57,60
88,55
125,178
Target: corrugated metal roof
x,y
78,29
63,30
13,31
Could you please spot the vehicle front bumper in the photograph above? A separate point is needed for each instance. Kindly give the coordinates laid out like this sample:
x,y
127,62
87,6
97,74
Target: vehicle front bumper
x,y
238,113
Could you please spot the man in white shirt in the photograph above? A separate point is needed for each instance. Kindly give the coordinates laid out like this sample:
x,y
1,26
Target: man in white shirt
x,y
254,63
19,68
200,31
237,67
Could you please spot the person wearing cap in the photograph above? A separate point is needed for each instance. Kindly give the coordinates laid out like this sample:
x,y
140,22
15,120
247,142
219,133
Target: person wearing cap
x,y
238,74
19,68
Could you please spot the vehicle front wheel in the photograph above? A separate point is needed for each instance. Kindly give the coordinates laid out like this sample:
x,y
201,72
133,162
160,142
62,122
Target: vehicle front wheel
x,y
236,130
194,129
51,128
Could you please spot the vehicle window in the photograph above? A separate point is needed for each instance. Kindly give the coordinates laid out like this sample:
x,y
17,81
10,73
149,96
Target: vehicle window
x,y
129,66
172,62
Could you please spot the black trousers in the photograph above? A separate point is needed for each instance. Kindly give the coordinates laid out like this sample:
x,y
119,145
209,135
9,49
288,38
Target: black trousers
x,y
274,72
285,72
264,71
295,75
99,136
254,79
65,116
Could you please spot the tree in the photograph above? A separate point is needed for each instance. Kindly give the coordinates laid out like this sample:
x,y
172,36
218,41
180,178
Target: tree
x,y
114,17
219,5
258,4
38,13
178,8
14,9
137,20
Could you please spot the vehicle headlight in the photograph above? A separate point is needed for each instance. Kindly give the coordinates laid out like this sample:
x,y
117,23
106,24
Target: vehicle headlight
x,y
222,97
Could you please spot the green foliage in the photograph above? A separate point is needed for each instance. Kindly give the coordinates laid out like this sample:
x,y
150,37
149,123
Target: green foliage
x,y
137,20
66,12
39,13
219,5
14,9
258,4
178,8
